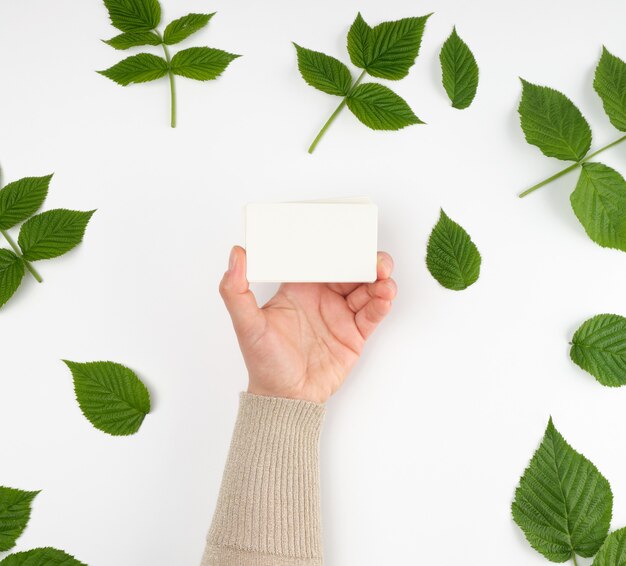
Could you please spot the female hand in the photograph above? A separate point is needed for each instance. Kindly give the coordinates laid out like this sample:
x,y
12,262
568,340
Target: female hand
x,y
303,343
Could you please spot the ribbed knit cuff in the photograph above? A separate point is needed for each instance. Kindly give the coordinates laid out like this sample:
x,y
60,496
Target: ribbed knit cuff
x,y
268,511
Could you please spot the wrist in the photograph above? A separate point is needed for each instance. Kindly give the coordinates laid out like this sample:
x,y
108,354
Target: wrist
x,y
292,393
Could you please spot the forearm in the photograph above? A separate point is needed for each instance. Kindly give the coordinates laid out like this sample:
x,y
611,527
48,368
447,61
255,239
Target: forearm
x,y
267,512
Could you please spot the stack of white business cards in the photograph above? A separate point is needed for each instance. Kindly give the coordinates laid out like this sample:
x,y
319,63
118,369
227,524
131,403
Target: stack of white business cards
x,y
330,241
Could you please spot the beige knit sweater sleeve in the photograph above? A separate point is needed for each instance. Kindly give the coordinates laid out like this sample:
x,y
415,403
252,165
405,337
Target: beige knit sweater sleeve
x,y
268,509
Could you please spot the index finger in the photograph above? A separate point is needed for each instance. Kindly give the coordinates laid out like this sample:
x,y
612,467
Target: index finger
x,y
384,266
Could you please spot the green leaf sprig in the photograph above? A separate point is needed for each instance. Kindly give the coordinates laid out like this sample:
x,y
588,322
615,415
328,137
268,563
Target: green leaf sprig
x,y
459,71
111,396
599,347
15,510
451,256
613,551
385,51
42,236
556,126
138,21
41,557
563,504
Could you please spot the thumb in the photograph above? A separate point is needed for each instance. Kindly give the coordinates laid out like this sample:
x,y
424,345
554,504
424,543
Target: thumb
x,y
239,300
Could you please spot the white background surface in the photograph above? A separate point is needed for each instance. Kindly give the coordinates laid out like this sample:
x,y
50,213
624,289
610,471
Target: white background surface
x,y
424,445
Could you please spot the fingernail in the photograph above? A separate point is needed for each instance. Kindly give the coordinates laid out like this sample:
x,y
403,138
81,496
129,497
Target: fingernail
x,y
232,260
384,260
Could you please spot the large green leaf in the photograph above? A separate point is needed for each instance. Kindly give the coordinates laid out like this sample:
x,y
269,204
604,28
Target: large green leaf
x,y
110,396
599,347
52,233
360,42
41,557
133,39
451,257
613,551
380,108
552,122
14,514
183,27
394,47
323,72
610,84
563,503
134,15
459,71
140,68
11,274
21,199
599,202
201,63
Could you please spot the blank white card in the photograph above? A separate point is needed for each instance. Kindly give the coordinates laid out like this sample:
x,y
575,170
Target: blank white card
x,y
331,241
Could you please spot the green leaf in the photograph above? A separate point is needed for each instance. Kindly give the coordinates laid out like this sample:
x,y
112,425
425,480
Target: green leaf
x,y
395,45
451,257
599,347
183,27
133,39
41,557
610,84
459,71
11,274
110,396
563,503
140,68
134,15
201,63
323,72
52,233
21,199
14,514
613,551
380,108
360,42
553,123
599,202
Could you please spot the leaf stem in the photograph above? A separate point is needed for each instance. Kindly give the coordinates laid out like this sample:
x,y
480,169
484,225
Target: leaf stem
x,y
172,83
335,113
570,168
18,253
574,559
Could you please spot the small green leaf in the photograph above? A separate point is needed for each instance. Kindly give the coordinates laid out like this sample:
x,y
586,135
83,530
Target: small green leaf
x,y
613,551
183,27
563,503
19,200
110,396
41,557
451,257
459,71
360,42
599,347
140,68
201,63
380,108
610,84
133,39
11,274
52,233
395,45
14,515
134,15
599,202
323,72
553,123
